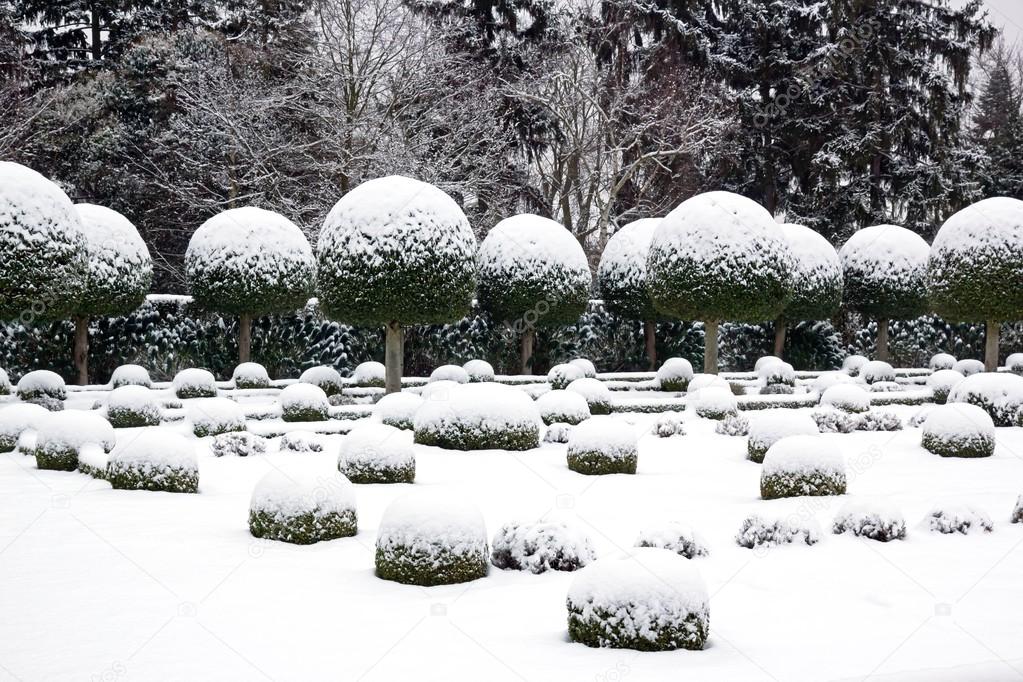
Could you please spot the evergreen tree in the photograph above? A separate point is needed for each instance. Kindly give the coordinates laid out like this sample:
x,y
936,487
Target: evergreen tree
x,y
998,122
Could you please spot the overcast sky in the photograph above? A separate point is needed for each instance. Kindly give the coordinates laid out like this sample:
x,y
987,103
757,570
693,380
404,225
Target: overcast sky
x,y
1007,14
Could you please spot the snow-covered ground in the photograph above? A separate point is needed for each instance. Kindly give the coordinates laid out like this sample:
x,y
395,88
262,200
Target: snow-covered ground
x,y
103,584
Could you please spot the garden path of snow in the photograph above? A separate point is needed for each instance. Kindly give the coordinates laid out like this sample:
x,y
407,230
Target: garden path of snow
x,y
142,585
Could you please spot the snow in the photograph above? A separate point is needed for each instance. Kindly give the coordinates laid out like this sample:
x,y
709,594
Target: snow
x,y
368,374
877,371
251,373
16,418
377,446
118,258
701,381
588,368
968,367
542,546
887,256
194,378
425,519
764,361
593,390
606,435
767,427
304,396
130,375
156,450
286,495
942,361
803,455
532,246
846,397
73,429
479,370
829,379
42,381
479,407
674,370
398,409
211,416
450,373
563,406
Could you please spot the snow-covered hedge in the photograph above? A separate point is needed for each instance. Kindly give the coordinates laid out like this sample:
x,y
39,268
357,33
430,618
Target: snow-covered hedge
x,y
651,600
622,274
214,416
674,375
567,407
956,518
675,537
802,465
940,361
131,406
431,537
846,397
958,430
756,532
872,520
942,382
304,402
369,374
561,375
155,459
540,547
238,444
16,419
877,371
1000,395
120,270
377,453
596,393
770,426
715,403
479,371
479,417
302,508
885,269
130,375
61,435
326,378
398,409
250,375
40,384
816,275
603,446
195,383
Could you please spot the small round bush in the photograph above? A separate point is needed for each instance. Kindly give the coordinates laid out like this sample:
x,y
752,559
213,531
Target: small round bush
x,y
431,537
300,441
16,419
238,444
958,430
479,371
733,425
763,361
588,368
61,435
776,389
366,375
702,381
829,379
155,459
853,364
302,509
652,600
846,397
969,367
439,390
674,375
999,394
131,406
41,383
450,373
770,426
777,374
558,433
954,518
669,424
130,375
877,371
398,409
1014,363
560,376
326,378
802,465
567,407
885,387
871,520
377,453
214,416
597,395
250,375
877,420
194,383
541,547
941,361
1017,512
675,537
480,417
603,446
756,532
942,382
5,383
304,403
715,403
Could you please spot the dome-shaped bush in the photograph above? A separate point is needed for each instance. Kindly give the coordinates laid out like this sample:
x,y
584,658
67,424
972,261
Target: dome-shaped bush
x,y
479,371
1014,363
942,382
396,251
846,397
214,416
777,374
719,256
237,444
877,371
588,368
603,446
194,383
597,395
326,378
669,424
377,453
802,465
132,406
5,383
1000,395
304,403
61,435
155,459
541,547
532,272
249,262
816,280
829,379
674,375
872,520
675,537
566,407
130,375
651,600
558,433
968,367
758,532
16,419
431,537
958,518
301,441
763,361
369,375
770,426
301,508
480,417
853,364
940,361
714,402
450,373
733,425
40,384
702,381
958,430
398,409
560,376
250,375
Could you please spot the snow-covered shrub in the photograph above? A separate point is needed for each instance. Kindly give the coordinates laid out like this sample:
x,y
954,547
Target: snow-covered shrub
x,y
756,532
830,420
777,374
675,537
999,394
877,371
669,424
398,409
45,261
567,407
5,383
763,361
301,441
16,419
131,405
377,453
816,276
62,434
41,384
302,508
155,459
369,374
1017,512
968,367
715,403
853,364
326,378
479,371
733,425
872,520
940,361
130,375
450,373
1014,363
770,426
702,381
846,397
250,375
431,537
829,379
956,518
479,417
304,403
622,275
560,376
942,382
719,256
772,389
917,420
674,375
542,546
194,383
802,465
557,433
588,368
438,390
885,387
603,446
651,600
238,444
958,430
214,416
597,395
878,420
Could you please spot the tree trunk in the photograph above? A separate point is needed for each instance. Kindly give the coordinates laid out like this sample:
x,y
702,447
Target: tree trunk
x,y
97,45
650,336
991,346
526,351
780,327
882,340
244,338
81,351
393,358
710,347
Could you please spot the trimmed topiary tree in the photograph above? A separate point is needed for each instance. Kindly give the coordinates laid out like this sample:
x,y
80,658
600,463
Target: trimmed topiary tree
x,y
479,417
802,465
394,252
622,280
249,262
532,273
302,508
975,269
885,270
816,281
716,257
